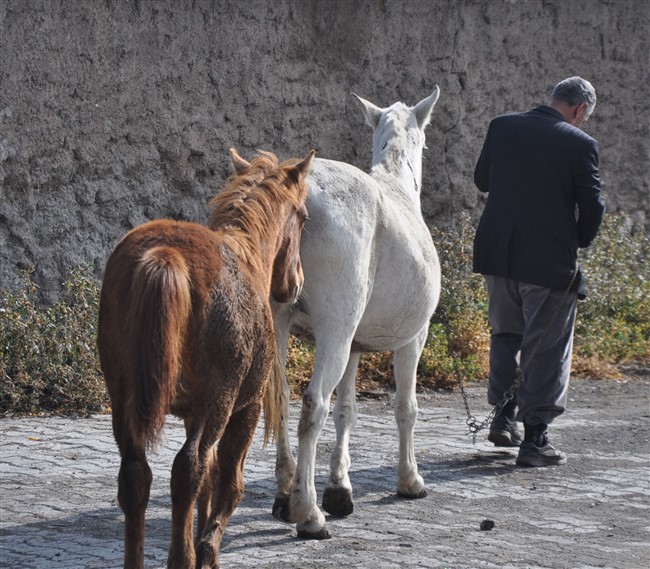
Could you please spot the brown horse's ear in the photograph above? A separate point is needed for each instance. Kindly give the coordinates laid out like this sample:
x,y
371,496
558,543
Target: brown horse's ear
x,y
302,168
239,164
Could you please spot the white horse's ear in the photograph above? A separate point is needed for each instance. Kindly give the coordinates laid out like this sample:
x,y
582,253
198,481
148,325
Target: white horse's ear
x,y
423,109
239,164
371,112
303,167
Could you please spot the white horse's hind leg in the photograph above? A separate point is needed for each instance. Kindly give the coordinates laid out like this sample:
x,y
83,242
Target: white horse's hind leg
x,y
405,360
328,369
337,498
285,465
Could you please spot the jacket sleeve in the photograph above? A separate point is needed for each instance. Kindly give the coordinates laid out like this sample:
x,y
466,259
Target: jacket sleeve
x,y
482,169
590,204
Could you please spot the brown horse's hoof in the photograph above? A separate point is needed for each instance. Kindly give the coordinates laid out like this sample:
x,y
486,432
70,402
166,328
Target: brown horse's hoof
x,y
206,556
321,534
421,494
338,502
281,510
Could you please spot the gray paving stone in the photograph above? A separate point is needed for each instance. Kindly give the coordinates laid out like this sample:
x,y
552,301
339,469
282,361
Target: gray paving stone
x,y
58,493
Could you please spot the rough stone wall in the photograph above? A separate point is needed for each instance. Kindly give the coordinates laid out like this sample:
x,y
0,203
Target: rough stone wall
x,y
116,112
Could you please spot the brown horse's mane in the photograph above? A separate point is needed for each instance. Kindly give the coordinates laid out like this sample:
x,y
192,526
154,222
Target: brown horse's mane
x,y
244,212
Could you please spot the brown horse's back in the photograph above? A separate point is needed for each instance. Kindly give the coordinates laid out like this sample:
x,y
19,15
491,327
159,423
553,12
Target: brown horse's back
x,y
144,318
159,291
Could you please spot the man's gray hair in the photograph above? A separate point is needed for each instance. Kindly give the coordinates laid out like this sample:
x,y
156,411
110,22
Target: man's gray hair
x,y
575,91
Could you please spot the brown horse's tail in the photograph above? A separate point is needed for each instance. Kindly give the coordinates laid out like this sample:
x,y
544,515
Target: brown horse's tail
x,y
275,403
156,323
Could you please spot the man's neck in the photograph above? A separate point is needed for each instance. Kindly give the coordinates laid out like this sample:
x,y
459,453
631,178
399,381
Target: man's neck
x,y
564,109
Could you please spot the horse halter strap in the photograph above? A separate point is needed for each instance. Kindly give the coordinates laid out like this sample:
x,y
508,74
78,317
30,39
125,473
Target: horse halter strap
x,y
415,181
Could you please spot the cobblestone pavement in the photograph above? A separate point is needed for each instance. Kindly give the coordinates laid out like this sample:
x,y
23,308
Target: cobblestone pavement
x,y
58,488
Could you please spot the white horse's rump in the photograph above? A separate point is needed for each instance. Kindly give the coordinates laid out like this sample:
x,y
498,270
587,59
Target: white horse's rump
x,y
372,282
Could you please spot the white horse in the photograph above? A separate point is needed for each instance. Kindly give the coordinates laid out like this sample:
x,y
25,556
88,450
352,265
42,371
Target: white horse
x,y
372,282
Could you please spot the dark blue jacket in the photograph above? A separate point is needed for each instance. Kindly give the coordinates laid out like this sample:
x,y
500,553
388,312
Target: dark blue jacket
x,y
544,202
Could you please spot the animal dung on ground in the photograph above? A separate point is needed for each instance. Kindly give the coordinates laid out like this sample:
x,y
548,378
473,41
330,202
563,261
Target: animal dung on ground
x,y
487,525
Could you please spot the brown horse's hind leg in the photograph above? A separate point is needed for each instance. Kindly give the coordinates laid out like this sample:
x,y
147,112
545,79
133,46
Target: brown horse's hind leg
x,y
190,473
134,483
204,500
229,489
187,474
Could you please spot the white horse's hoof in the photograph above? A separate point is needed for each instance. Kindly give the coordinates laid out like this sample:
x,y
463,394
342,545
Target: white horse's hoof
x,y
337,502
313,527
412,490
322,533
281,509
413,496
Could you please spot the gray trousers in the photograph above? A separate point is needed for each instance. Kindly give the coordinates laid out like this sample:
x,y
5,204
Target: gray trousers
x,y
519,314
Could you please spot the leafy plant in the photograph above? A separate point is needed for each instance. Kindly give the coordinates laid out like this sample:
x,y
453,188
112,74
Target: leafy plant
x,y
48,358
613,323
459,337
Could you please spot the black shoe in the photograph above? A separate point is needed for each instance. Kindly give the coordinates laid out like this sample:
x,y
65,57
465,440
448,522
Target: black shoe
x,y
546,455
505,435
503,430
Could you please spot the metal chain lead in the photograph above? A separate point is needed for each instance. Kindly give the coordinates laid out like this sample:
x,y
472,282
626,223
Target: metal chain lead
x,y
473,426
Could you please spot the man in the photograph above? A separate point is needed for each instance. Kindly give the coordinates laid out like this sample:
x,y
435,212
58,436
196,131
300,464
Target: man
x,y
541,175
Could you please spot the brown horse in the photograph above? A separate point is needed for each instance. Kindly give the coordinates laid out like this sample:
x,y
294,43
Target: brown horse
x,y
185,327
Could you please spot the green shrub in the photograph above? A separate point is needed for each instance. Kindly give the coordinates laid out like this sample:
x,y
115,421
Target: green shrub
x,y
48,358
459,337
300,364
613,323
